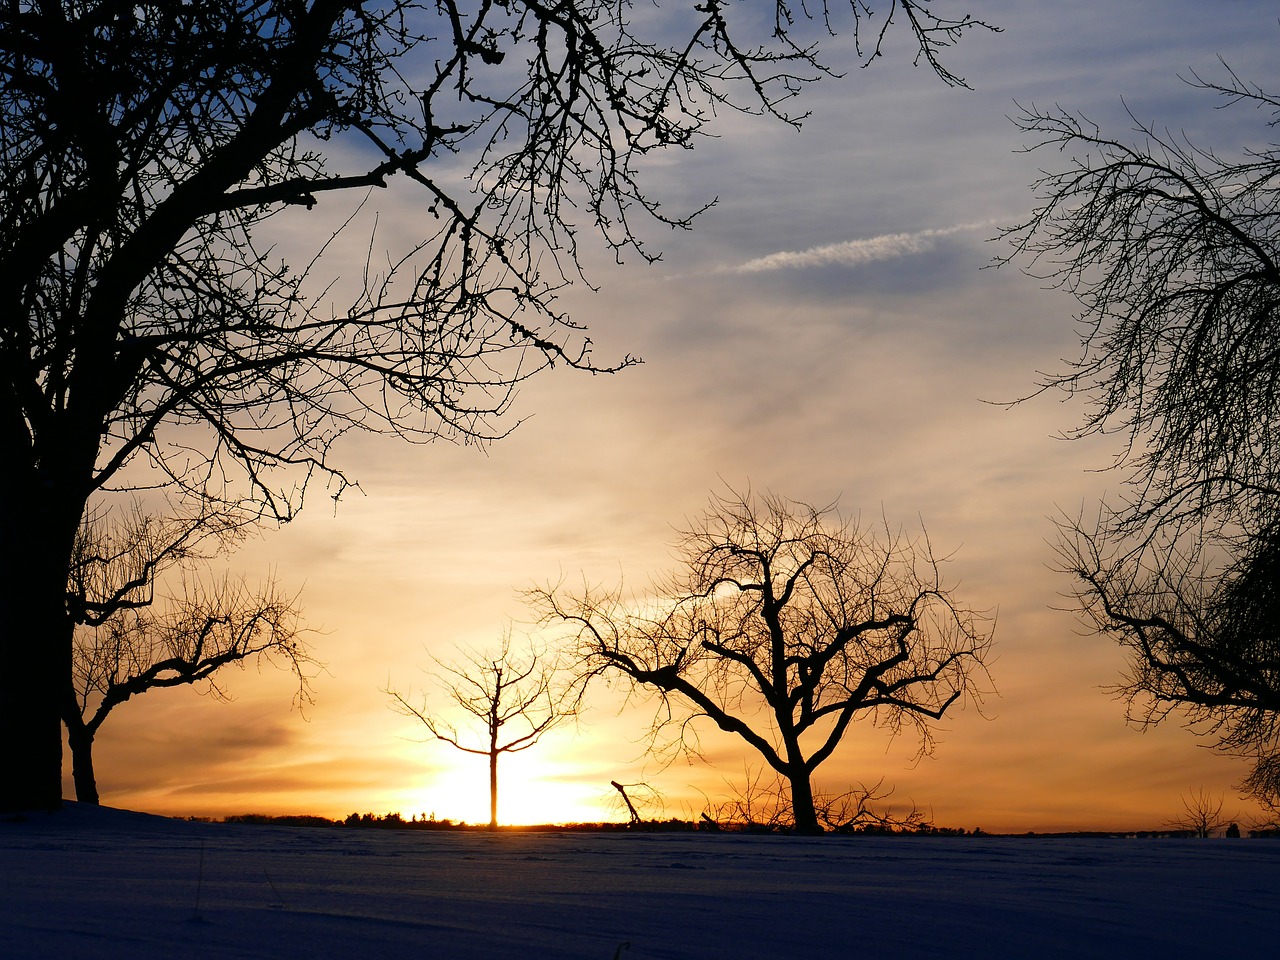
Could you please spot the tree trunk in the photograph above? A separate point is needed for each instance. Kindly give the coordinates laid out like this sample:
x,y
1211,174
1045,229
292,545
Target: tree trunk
x,y
802,807
86,782
36,537
36,671
30,723
493,790
797,773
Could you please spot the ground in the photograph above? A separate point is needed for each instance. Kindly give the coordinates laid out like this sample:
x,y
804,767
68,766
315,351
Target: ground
x,y
88,883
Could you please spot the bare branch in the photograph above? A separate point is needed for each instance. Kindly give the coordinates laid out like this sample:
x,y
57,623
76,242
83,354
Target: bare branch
x,y
785,624
149,632
515,697
1198,621
1173,251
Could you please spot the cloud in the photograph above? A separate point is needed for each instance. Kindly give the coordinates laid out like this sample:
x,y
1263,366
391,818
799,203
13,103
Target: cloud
x,y
853,253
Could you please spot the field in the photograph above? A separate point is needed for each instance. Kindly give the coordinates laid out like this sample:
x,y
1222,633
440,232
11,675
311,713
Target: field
x,y
87,883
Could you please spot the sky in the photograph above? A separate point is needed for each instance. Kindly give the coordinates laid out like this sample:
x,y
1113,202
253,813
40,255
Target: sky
x,y
831,330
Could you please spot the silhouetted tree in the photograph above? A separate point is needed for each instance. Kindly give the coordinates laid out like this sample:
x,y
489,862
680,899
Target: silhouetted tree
x,y
648,796
1202,641
185,639
152,337
784,625
1201,814
150,613
1173,250
515,697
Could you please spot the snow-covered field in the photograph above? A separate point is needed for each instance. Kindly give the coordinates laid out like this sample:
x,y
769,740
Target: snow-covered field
x,y
87,883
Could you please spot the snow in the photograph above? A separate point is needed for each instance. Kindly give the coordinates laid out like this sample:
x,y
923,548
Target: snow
x,y
89,883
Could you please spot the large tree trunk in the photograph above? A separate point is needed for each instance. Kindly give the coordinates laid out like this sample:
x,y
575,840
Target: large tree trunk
x,y
37,533
35,668
802,803
795,769
30,722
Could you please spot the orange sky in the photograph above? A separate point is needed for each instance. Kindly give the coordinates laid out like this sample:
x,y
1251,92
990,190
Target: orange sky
x,y
852,363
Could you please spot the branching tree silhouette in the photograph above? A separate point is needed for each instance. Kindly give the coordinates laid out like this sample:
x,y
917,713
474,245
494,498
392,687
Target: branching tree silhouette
x,y
516,697
784,626
1173,250
1203,642
760,802
132,636
185,639
153,338
1201,814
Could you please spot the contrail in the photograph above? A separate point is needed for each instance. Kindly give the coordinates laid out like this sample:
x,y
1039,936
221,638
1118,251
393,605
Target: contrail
x,y
853,253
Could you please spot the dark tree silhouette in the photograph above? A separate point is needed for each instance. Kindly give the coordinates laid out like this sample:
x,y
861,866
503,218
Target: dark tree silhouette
x,y
186,639
515,697
633,815
1203,641
154,339
784,625
1201,815
1173,250
150,613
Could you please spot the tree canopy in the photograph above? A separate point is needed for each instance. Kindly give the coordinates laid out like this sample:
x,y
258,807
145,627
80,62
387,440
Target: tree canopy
x,y
783,625
1172,248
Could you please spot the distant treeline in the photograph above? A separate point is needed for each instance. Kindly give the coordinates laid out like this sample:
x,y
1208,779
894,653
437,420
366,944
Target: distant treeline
x,y
395,821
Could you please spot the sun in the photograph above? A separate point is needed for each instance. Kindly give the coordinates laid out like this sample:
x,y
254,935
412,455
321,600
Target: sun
x,y
532,790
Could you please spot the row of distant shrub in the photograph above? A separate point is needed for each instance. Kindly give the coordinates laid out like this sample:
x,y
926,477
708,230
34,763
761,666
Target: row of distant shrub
x,y
395,821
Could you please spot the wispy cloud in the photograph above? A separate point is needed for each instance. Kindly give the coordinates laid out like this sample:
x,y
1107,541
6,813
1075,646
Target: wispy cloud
x,y
853,253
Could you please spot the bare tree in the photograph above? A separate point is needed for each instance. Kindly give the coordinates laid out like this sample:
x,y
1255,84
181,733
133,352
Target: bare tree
x,y
1173,250
1202,637
785,624
1201,814
179,640
631,807
865,809
154,339
515,697
641,793
151,613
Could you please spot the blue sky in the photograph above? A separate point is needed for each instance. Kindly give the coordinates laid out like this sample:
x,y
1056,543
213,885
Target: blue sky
x,y
830,329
